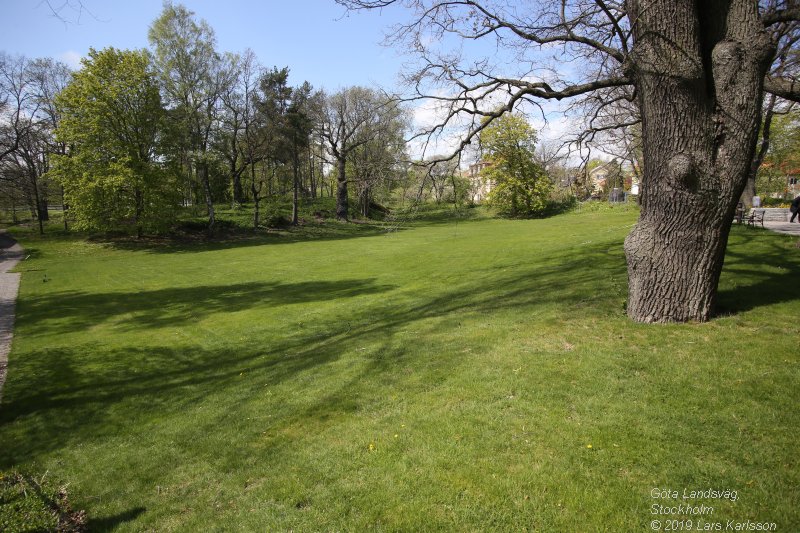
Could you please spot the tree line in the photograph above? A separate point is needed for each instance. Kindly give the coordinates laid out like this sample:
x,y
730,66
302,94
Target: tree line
x,y
132,135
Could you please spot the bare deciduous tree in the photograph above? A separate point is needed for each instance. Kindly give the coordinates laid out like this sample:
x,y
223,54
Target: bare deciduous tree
x,y
350,119
29,116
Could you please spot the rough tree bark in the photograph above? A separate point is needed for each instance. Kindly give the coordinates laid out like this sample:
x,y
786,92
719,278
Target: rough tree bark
x,y
698,67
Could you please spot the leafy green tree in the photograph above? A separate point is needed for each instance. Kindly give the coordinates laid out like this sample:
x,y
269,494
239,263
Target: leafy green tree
x,y
782,159
375,166
298,128
520,186
193,77
272,104
111,118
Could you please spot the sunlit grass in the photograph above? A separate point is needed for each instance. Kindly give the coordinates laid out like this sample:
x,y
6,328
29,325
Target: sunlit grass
x,y
470,376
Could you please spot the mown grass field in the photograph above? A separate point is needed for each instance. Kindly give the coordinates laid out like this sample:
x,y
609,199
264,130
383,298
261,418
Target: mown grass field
x,y
472,375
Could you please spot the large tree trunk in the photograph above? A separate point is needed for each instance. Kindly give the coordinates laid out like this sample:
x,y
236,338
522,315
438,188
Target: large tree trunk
x,y
699,68
341,191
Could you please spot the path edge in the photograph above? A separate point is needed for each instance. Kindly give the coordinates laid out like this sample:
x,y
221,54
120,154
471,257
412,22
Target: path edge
x,y
10,255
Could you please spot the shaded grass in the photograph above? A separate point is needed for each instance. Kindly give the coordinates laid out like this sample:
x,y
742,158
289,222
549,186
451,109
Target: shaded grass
x,y
445,377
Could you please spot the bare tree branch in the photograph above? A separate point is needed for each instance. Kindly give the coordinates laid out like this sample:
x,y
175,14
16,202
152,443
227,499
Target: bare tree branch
x,y
790,14
786,88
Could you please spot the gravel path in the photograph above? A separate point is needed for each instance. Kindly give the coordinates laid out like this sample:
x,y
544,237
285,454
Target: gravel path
x,y
783,227
10,255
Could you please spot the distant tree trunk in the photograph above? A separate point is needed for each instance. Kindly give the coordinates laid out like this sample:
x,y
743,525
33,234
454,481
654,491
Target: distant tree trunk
x,y
64,208
365,200
699,84
311,177
750,187
202,170
295,183
270,189
341,190
14,208
256,197
44,209
139,199
37,203
514,208
238,191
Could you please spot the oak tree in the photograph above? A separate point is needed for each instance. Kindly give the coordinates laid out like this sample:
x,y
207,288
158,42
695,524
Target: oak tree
x,y
349,119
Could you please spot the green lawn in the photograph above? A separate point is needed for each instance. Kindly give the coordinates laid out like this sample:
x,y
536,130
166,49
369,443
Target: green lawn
x,y
478,375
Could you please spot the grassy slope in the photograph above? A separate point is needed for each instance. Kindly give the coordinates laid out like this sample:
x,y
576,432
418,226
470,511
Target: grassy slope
x,y
450,376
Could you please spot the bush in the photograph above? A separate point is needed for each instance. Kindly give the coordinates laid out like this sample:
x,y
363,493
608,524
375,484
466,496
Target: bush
x,y
593,206
775,202
560,203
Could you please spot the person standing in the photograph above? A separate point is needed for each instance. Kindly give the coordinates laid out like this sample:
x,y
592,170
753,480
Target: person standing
x,y
795,209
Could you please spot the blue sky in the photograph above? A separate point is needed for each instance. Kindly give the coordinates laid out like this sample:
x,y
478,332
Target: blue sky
x,y
316,39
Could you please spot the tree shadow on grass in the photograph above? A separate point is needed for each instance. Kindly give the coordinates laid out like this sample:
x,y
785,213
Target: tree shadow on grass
x,y
761,268
196,242
331,230
61,312
88,392
68,395
110,523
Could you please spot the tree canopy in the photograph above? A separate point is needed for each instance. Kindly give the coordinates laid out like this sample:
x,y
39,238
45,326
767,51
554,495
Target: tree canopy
x,y
519,185
111,120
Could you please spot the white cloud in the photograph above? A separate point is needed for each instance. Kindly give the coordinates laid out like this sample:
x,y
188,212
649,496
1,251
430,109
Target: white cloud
x,y
427,115
71,58
550,118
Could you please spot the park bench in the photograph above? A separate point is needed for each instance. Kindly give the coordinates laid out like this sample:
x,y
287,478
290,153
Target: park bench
x,y
738,216
756,216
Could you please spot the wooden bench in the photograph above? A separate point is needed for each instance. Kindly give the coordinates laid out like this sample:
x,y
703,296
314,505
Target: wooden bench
x,y
756,216
738,216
